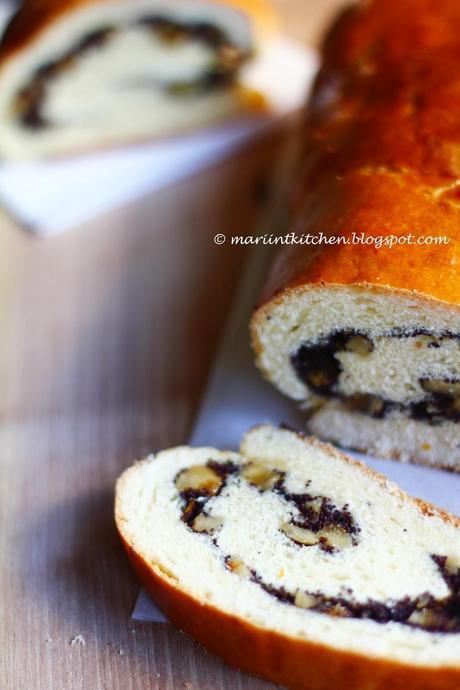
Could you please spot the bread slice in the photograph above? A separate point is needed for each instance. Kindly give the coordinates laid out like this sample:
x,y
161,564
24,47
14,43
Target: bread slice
x,y
79,74
292,561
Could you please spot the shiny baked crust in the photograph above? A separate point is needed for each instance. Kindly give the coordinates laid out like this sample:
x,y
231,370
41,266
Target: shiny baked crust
x,y
287,661
382,152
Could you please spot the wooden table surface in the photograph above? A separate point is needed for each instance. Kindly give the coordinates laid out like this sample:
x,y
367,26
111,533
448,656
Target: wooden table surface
x,y
107,335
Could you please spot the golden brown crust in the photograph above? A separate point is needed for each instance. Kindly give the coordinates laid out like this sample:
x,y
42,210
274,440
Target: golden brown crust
x,y
35,16
382,153
290,661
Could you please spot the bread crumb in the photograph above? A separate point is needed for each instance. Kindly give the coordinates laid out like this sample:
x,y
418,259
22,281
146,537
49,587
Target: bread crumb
x,y
78,640
187,684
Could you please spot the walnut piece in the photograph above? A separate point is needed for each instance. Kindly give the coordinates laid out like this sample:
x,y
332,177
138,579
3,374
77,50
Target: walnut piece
x,y
236,565
333,536
199,478
260,475
304,600
206,524
442,386
359,345
300,535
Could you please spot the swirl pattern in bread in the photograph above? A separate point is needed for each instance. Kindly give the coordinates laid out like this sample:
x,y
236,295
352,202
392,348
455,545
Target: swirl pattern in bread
x,y
87,73
297,563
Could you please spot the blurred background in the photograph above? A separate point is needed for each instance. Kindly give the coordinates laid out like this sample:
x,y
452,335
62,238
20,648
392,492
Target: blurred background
x,y
108,333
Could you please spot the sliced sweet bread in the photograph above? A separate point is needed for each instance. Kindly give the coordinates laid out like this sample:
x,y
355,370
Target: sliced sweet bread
x,y
292,561
360,317
79,74
376,370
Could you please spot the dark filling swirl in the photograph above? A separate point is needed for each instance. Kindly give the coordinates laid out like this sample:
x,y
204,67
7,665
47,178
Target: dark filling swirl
x,y
317,365
318,515
228,58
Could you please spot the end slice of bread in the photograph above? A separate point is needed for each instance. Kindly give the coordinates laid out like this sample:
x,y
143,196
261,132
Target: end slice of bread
x,y
79,75
294,562
376,369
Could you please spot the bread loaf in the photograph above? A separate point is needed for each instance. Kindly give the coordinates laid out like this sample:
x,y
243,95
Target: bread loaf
x,y
365,331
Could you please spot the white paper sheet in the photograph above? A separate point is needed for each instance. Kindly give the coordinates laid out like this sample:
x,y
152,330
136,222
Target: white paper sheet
x,y
52,196
238,398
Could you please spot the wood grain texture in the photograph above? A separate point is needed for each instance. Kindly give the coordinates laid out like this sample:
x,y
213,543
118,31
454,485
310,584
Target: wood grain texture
x,y
107,335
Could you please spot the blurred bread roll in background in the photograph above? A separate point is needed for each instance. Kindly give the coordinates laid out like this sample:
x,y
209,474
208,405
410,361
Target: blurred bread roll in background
x,y
83,74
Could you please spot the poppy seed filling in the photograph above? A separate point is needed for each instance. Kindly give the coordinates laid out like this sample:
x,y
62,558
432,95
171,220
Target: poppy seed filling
x,y
318,365
317,523
228,58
